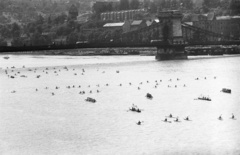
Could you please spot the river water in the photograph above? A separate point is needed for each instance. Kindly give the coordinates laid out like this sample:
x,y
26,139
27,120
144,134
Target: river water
x,y
39,120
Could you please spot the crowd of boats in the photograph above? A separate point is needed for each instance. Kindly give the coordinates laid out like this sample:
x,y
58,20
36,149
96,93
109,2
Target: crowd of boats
x,y
12,73
171,118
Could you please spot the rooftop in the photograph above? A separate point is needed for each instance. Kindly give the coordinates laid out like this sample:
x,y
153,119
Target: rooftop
x,y
223,17
113,25
136,22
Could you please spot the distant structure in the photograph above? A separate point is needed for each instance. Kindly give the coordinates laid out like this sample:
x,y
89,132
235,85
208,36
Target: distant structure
x,y
73,12
235,7
103,6
225,25
121,15
82,18
138,24
129,25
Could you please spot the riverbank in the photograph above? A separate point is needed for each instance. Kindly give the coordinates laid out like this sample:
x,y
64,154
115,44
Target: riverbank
x,y
91,51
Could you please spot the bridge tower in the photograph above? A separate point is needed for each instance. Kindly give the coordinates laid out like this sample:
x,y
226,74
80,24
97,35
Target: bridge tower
x,y
171,46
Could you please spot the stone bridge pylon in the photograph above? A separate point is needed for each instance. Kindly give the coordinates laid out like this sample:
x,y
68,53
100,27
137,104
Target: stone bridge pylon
x,y
171,44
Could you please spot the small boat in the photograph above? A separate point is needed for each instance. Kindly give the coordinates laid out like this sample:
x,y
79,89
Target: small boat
x,y
225,90
204,98
166,121
139,122
89,99
134,109
7,57
149,96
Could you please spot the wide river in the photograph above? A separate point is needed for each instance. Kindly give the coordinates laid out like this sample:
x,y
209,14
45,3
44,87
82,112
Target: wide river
x,y
42,111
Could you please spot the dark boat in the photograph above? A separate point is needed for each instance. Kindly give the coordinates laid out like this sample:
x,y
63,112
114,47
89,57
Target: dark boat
x,y
225,90
149,96
204,98
89,99
134,109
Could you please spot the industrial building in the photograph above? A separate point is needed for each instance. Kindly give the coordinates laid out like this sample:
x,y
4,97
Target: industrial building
x,y
225,25
121,15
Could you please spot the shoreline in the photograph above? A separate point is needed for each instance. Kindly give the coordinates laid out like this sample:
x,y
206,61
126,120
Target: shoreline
x,y
89,52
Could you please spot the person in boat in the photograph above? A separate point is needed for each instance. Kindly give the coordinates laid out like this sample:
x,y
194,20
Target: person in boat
x,y
176,119
170,115
233,116
165,120
187,118
149,95
139,123
220,117
138,110
133,109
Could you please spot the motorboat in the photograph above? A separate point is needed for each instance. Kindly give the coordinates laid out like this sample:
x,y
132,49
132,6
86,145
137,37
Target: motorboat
x,y
89,99
225,90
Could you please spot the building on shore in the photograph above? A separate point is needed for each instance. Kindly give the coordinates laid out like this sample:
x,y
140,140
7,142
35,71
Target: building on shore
x,y
128,25
225,25
121,15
